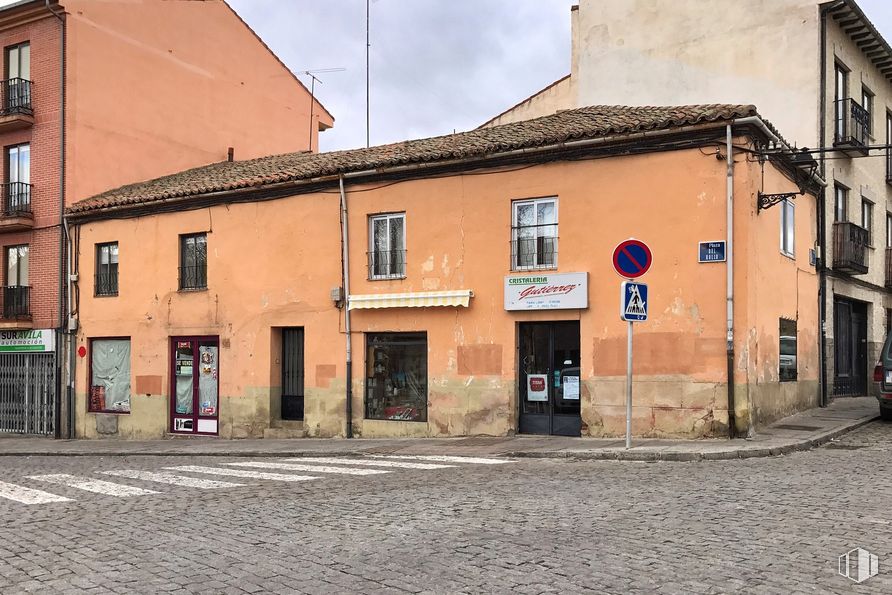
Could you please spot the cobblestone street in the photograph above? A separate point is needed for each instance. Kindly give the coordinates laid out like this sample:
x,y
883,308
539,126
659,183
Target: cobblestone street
x,y
233,525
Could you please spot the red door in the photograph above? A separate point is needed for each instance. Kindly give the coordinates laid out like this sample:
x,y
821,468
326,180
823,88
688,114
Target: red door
x,y
195,385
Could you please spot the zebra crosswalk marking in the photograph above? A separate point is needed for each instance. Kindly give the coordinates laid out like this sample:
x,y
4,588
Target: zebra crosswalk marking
x,y
172,479
372,463
310,468
446,459
97,486
242,473
27,495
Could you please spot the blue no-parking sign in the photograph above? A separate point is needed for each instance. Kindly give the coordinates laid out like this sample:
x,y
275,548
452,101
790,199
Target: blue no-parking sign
x,y
633,304
632,258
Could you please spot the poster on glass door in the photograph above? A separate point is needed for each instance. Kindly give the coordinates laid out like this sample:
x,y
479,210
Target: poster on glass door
x,y
537,387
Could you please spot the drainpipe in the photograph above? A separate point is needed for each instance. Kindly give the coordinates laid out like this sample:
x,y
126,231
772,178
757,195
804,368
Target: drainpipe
x,y
64,240
345,280
822,221
729,290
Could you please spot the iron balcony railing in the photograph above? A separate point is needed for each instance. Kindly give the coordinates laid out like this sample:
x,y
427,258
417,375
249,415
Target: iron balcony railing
x,y
107,283
16,198
534,253
850,248
16,301
194,277
387,264
15,97
852,124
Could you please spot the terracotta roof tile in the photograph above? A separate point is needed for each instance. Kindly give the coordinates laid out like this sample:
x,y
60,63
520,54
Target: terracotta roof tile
x,y
576,124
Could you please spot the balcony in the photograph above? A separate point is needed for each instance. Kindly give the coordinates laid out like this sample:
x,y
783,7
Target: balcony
x,y
15,198
15,105
888,268
852,124
849,248
387,264
16,302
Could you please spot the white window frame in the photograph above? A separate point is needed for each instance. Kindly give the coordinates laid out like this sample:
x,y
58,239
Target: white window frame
x,y
788,232
888,229
867,218
535,202
393,270
840,203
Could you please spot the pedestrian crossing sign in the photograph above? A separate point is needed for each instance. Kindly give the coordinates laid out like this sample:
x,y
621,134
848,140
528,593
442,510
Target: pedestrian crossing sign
x,y
633,303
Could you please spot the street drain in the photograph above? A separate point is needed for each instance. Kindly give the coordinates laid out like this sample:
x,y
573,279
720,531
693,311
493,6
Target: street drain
x,y
795,427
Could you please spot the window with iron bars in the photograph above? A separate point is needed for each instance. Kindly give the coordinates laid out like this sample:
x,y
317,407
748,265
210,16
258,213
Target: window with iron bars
x,y
193,261
534,234
387,246
106,269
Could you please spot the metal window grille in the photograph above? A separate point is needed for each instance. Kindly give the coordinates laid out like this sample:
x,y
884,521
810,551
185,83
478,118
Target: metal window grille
x,y
193,262
387,264
293,373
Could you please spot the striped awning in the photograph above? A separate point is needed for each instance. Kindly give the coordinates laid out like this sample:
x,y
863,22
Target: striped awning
x,y
421,299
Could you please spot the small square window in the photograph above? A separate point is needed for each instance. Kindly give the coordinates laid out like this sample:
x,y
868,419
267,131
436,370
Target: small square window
x,y
534,234
387,246
194,261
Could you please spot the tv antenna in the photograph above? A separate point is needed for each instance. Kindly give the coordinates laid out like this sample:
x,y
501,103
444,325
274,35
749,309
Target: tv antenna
x,y
313,79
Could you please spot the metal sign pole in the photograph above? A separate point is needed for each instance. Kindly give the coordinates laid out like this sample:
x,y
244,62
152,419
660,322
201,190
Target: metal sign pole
x,y
629,389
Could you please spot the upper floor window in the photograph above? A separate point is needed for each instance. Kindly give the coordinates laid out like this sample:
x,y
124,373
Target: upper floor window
x,y
888,230
888,148
867,104
867,219
842,203
534,234
788,228
17,190
387,246
17,86
16,293
840,94
107,269
194,261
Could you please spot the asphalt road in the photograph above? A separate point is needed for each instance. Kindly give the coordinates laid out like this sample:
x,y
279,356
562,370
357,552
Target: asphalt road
x,y
777,525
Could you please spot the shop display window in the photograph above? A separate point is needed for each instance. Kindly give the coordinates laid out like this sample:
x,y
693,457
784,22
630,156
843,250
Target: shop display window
x,y
109,376
396,376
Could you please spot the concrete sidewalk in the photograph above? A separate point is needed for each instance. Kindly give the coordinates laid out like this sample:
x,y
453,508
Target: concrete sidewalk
x,y
798,432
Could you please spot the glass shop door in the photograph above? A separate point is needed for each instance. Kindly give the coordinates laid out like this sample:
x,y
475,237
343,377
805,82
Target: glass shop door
x,y
548,377
194,407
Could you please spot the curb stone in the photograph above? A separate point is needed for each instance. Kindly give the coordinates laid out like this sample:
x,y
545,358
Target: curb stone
x,y
591,455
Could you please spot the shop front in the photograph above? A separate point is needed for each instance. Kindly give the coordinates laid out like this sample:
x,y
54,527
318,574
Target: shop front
x,y
548,374
195,382
548,366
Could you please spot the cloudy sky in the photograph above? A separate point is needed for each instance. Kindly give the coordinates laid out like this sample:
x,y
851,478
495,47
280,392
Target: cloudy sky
x,y
436,65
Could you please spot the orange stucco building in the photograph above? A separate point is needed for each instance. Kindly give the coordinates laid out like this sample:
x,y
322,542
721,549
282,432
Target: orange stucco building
x,y
473,275
99,94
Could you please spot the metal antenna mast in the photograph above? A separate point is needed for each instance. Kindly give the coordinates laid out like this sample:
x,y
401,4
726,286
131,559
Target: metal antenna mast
x,y
313,78
367,46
